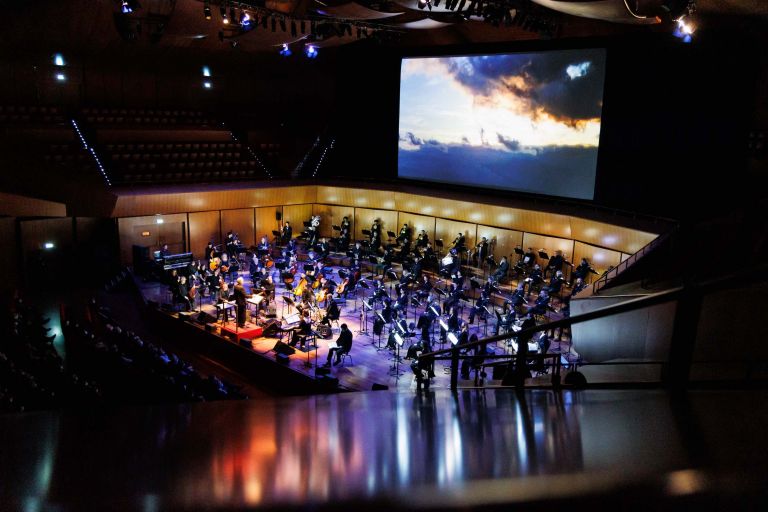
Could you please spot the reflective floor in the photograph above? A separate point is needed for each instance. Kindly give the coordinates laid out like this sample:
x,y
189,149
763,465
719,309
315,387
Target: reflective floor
x,y
403,449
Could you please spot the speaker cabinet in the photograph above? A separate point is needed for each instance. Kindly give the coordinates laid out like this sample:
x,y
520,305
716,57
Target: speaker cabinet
x,y
282,348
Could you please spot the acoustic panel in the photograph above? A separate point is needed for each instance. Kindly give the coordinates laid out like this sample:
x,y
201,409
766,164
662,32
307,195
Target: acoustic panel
x,y
203,228
240,221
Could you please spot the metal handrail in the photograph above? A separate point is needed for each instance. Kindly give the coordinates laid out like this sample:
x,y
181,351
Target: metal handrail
x,y
603,281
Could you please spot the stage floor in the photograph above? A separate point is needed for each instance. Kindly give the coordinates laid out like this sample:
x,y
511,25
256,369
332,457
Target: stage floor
x,y
369,363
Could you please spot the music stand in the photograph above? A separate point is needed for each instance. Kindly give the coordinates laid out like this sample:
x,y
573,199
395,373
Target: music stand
x,y
391,235
335,227
373,261
307,223
288,301
381,317
367,232
395,370
474,285
439,245
543,254
519,251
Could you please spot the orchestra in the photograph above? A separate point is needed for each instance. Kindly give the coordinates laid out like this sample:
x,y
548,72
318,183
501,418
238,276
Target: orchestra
x,y
434,299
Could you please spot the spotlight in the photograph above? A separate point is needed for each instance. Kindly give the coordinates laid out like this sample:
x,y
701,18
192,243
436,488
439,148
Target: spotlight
x,y
684,30
311,51
58,59
126,7
206,85
452,338
206,71
245,19
61,77
223,11
207,10
49,245
284,50
159,220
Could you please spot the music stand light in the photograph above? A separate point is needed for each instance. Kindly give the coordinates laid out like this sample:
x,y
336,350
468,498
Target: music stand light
x,y
443,324
452,338
415,302
399,339
434,311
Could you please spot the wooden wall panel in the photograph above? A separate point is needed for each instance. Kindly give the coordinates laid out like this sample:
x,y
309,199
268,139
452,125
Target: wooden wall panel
x,y
503,241
364,198
169,232
148,204
364,217
330,215
35,233
266,222
600,259
296,214
22,206
612,237
549,243
203,228
448,229
417,223
241,222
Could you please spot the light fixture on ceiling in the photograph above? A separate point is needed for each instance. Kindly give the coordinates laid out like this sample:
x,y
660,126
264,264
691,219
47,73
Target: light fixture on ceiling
x,y
207,10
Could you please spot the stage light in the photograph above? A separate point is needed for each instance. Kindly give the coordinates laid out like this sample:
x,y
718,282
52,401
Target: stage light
x,y
207,84
311,51
126,7
49,245
61,77
159,220
206,71
245,19
223,11
207,10
58,59
285,51
684,30
452,338
399,339
443,324
434,311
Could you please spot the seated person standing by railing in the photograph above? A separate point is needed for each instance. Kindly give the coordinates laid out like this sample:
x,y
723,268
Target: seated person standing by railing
x,y
344,345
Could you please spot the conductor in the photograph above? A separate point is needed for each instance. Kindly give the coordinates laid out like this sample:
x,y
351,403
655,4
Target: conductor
x,y
240,296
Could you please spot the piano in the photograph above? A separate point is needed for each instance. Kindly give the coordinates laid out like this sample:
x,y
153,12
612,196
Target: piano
x,y
173,261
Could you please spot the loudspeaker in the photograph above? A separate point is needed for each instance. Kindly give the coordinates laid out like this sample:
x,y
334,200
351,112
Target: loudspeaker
x,y
186,316
379,387
246,342
278,215
204,318
575,379
321,370
282,358
271,328
282,348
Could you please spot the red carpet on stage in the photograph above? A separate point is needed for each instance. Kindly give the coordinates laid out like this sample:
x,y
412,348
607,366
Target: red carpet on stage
x,y
250,331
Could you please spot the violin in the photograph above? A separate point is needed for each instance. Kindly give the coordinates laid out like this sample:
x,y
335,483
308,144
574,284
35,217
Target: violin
x,y
214,264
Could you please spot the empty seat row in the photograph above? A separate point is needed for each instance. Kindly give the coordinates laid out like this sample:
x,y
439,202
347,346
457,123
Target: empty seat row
x,y
30,118
186,176
175,156
23,109
140,112
143,120
170,146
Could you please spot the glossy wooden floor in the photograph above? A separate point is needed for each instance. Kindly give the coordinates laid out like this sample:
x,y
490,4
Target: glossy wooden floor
x,y
389,450
369,363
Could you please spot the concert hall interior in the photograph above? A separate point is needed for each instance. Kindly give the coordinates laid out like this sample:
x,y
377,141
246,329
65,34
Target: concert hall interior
x,y
401,254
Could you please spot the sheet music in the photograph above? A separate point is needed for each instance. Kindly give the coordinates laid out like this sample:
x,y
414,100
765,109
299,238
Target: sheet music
x,y
256,300
332,344
225,305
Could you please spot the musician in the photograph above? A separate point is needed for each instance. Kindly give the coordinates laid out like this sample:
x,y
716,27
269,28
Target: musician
x,y
534,279
478,308
454,294
302,331
423,239
343,242
405,234
357,252
454,322
458,243
555,284
416,268
529,258
268,285
290,247
240,300
164,252
345,224
481,251
501,270
263,246
375,235
344,345
578,286
518,296
429,253
286,233
323,248
542,304
231,245
424,287
312,230
182,293
582,271
210,252
223,296
401,304
555,263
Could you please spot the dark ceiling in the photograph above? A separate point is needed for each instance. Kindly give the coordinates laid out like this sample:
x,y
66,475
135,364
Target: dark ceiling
x,y
172,25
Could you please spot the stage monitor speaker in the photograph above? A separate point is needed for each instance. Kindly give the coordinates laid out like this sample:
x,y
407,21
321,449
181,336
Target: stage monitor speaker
x,y
379,387
282,358
282,348
246,342
204,318
328,382
322,371
278,215
186,316
271,329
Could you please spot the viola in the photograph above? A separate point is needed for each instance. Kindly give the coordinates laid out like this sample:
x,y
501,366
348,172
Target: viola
x,y
340,288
